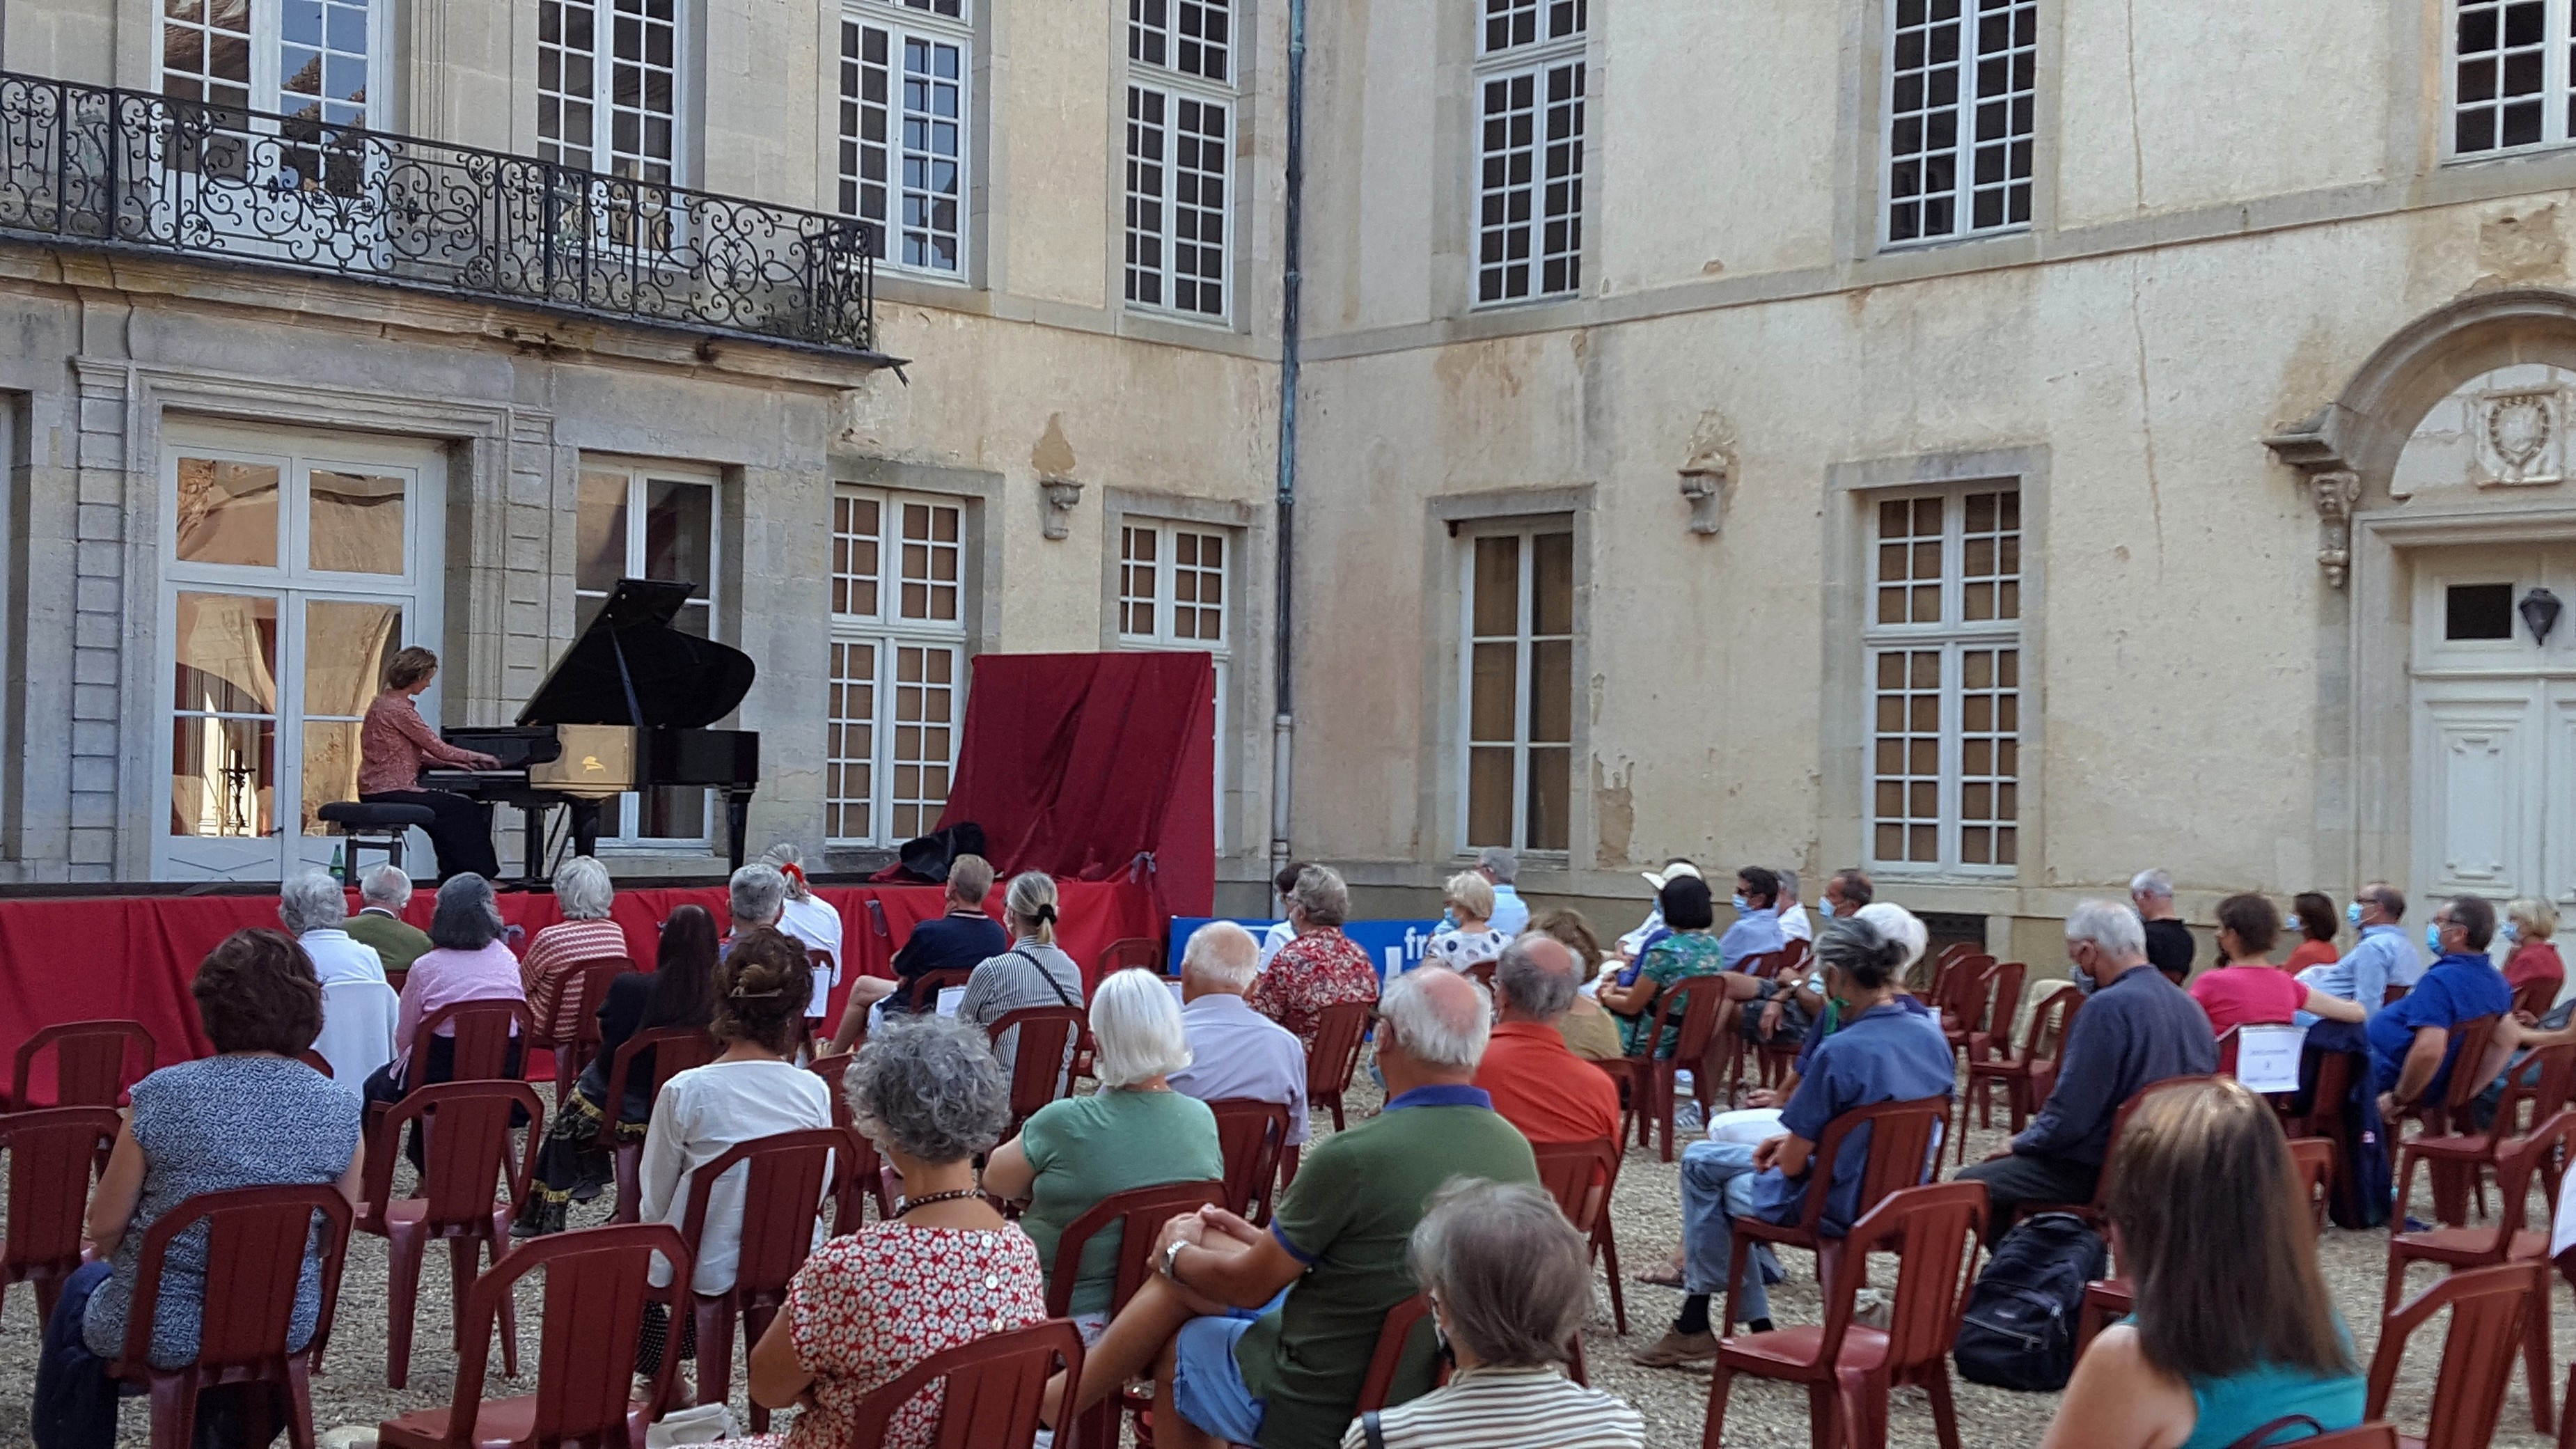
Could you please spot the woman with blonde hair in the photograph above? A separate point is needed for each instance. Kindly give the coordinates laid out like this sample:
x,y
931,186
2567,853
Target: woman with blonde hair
x,y
1033,972
2233,1329
1469,940
2528,925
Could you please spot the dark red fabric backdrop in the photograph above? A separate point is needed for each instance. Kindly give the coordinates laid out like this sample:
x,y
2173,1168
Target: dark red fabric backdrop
x,y
72,960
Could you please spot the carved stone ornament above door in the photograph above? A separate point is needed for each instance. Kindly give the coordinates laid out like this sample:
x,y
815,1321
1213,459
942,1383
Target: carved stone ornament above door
x,y
2521,436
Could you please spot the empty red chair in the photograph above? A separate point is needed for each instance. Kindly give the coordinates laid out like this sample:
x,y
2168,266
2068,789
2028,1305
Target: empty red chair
x,y
1847,1368
1904,1150
790,1177
675,1049
1129,953
94,1062
1581,1177
597,1283
1335,1056
2031,1073
1252,1135
51,1153
466,1127
2506,1242
255,1242
1692,1007
1139,1215
1039,1055
2489,1309
993,1390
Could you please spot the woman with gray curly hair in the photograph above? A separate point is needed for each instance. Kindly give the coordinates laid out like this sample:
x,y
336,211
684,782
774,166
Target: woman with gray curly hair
x,y
945,1270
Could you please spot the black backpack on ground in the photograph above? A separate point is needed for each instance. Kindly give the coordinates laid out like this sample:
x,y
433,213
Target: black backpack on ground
x,y
2019,1328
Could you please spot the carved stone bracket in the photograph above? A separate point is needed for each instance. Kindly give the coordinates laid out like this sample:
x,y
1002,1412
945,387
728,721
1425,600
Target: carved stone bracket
x,y
1707,471
2335,491
1060,495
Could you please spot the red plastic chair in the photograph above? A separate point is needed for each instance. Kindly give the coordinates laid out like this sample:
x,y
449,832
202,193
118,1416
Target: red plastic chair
x,y
2473,1037
790,1177
1406,1334
2489,1307
2360,1436
597,1283
2316,1160
1335,1057
2027,1075
585,991
1129,953
924,996
994,1390
2506,1242
90,1058
675,1049
1581,1176
52,1152
2095,1212
1139,1215
2108,1300
1847,1368
483,1034
1634,1078
870,1177
1252,1135
316,1061
254,1255
467,1149
2462,1159
1904,1152
2535,997
1692,1007
1039,1072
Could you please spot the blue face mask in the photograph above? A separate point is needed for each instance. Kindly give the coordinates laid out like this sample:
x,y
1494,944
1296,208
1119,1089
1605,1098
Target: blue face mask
x,y
2083,979
2432,938
1741,905
2291,925
2352,913
2510,932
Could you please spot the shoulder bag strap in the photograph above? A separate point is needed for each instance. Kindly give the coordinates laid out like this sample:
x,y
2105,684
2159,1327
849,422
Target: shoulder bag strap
x,y
1371,1431
1044,975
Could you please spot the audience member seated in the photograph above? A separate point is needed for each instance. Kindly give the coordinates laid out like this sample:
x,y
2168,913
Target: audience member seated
x,y
1033,972
1892,920
2313,917
2528,925
2135,1029
1134,1132
1235,1051
1882,1052
1501,868
810,920
945,1270
755,897
1468,937
1633,946
584,893
2233,1328
249,1116
2382,958
382,894
2169,943
2413,1042
1281,932
1535,1081
1236,1359
1510,1281
467,962
959,940
752,1089
1691,949
678,992
1590,1032
1321,967
2246,989
312,907
1847,891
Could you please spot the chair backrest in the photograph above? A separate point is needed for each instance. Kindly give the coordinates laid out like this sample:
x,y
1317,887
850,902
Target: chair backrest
x,y
1904,1151
465,1128
790,1178
2473,1037
2543,1081
1130,953
597,1283
586,986
2005,1002
2536,996
483,1032
2120,1123
1934,1230
1252,1135
2488,1309
316,1061
1047,1035
358,1020
1972,993
1580,1176
254,1255
51,1153
2045,1036
1335,1056
1139,1213
675,1049
995,1388
1388,1357
1795,955
90,1060
927,986
835,1071
1691,1007
2314,1160
2393,994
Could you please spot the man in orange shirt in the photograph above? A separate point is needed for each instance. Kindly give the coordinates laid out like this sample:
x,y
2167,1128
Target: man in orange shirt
x,y
1538,1086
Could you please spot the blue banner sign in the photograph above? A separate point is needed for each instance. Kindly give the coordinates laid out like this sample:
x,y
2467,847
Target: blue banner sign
x,y
1395,946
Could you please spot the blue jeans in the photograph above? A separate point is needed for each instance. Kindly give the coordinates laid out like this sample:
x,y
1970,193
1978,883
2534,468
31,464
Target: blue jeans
x,y
75,1400
1717,1188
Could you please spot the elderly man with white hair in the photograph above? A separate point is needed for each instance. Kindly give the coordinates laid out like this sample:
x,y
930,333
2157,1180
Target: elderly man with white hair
x,y
1537,1083
2137,1028
382,894
1501,868
311,905
1235,1051
756,896
1337,1246
2169,943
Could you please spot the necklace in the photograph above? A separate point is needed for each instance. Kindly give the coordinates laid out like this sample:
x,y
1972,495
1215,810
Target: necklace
x,y
926,1199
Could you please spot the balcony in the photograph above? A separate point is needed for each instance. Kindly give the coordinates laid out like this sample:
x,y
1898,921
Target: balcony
x,y
124,171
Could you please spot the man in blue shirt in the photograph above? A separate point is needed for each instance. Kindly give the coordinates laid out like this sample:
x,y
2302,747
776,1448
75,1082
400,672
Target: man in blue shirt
x,y
1500,867
1756,931
2415,1042
2382,958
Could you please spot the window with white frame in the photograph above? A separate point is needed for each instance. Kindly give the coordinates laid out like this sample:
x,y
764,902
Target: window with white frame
x,y
608,100
1944,647
1529,150
2511,82
1175,591
1181,90
904,72
315,60
1962,82
898,664
645,521
1516,688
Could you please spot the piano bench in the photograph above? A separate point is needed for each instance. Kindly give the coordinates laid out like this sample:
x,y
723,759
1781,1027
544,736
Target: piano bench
x,y
373,827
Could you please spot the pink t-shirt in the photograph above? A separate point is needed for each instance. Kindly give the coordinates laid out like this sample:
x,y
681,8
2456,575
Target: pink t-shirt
x,y
2244,995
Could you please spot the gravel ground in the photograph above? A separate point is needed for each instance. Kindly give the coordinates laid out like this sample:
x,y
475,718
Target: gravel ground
x,y
1647,1214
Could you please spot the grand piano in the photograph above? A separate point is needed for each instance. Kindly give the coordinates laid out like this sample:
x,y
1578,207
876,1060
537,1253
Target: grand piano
x,y
625,709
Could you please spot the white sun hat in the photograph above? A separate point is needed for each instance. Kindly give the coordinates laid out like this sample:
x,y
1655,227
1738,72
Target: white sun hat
x,y
1656,878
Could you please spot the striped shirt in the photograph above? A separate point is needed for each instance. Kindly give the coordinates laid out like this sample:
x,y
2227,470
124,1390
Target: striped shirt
x,y
1496,1408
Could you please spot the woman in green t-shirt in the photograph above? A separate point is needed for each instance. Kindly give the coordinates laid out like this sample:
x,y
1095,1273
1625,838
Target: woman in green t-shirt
x,y
1134,1132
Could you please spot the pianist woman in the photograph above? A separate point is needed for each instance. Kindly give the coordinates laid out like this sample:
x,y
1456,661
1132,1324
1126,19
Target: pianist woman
x,y
393,746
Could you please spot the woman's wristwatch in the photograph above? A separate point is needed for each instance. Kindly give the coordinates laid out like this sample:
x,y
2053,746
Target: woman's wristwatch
x,y
1172,1259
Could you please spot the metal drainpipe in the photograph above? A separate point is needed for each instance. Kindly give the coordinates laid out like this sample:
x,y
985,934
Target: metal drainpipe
x,y
1291,280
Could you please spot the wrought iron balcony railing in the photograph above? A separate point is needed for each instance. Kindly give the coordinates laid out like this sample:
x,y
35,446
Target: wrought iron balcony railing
x,y
95,167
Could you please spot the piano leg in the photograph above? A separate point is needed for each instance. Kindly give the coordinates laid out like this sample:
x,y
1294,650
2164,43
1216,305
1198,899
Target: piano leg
x,y
532,828
585,827
737,820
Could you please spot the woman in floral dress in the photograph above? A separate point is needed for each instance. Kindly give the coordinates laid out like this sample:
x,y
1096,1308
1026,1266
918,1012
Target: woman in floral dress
x,y
1322,967
945,1270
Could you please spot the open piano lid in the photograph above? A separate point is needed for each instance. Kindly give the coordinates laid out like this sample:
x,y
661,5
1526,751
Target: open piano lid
x,y
630,667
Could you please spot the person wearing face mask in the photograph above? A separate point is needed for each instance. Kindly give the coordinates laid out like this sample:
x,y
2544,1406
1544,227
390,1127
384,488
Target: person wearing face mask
x,y
2414,1041
2383,958
2531,963
2248,989
2313,921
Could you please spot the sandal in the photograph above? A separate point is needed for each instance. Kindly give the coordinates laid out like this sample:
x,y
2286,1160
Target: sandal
x,y
1664,1277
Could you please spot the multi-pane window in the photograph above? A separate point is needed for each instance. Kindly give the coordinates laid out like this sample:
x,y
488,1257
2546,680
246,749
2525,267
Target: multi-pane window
x,y
1944,646
903,128
1180,147
310,60
643,522
1516,686
1529,149
1962,82
2513,78
1174,592
897,671
608,100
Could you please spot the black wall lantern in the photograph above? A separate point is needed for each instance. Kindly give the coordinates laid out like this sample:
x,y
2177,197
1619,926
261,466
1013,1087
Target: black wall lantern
x,y
2540,610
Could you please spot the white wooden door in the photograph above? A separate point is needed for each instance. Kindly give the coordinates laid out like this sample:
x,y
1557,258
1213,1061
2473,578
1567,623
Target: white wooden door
x,y
2494,725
